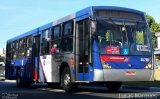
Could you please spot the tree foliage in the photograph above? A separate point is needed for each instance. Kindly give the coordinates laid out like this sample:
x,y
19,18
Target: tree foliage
x,y
154,28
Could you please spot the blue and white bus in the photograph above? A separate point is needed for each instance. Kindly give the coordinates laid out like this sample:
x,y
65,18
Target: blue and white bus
x,y
99,44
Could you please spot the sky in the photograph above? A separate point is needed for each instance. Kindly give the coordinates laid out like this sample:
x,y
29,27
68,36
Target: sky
x,y
20,16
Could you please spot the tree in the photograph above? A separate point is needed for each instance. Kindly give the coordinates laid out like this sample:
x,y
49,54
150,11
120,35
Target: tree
x,y
154,27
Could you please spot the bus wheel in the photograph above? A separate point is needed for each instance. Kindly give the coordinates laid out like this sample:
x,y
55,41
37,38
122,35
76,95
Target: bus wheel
x,y
113,86
68,86
19,82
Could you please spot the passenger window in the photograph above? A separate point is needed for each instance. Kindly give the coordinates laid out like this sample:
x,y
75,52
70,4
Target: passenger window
x,y
56,40
15,47
9,51
45,42
67,41
68,29
28,46
56,32
21,47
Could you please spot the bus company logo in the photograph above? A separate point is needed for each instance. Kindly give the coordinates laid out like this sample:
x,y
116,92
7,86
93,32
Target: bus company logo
x,y
44,63
127,59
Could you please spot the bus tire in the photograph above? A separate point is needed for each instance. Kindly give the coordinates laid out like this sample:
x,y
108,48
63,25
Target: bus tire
x,y
113,86
67,85
20,83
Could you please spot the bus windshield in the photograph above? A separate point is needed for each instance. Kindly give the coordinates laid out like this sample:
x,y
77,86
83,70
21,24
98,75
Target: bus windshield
x,y
123,37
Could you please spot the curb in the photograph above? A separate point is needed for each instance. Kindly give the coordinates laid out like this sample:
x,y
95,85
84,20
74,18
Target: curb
x,y
8,81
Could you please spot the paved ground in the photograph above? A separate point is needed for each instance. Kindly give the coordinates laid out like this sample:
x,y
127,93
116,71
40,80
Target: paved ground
x,y
8,90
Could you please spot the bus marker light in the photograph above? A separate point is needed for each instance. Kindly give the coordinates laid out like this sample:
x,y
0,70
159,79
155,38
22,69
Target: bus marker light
x,y
80,63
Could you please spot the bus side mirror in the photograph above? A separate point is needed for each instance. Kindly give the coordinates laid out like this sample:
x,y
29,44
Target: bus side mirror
x,y
93,25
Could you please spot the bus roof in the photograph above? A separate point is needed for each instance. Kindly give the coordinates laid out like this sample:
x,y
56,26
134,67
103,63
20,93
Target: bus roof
x,y
83,12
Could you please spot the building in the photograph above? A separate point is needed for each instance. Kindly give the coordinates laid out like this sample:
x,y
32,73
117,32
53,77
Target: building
x,y
2,52
157,52
2,62
157,59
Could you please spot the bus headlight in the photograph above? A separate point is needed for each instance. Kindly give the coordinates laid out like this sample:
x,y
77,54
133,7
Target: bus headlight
x,y
149,65
106,66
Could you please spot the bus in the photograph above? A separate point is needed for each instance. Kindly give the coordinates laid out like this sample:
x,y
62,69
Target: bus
x,y
97,45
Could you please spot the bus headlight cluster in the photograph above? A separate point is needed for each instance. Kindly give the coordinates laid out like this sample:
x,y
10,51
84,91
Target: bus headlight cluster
x,y
106,66
149,65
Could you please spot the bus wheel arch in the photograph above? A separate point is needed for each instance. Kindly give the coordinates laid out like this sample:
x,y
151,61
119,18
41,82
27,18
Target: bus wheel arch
x,y
63,66
19,81
65,73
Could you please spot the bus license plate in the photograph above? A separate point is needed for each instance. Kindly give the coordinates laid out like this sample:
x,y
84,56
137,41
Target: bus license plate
x,y
130,73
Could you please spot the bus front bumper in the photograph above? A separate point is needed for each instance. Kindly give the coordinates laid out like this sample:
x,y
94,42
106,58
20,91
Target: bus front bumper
x,y
123,75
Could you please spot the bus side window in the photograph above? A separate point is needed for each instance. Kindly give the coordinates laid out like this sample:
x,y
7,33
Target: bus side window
x,y
21,48
28,46
45,42
8,51
67,41
11,56
14,50
56,39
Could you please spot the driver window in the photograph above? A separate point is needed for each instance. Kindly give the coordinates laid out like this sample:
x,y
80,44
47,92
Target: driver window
x,y
117,39
105,38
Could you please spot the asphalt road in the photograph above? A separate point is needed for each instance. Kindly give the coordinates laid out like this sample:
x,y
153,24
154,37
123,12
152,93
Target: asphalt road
x,y
8,90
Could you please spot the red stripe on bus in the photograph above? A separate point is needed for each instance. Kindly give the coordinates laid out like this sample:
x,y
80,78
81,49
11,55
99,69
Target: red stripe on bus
x,y
115,58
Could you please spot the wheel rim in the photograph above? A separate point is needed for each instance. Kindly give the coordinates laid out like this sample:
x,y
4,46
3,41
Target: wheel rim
x,y
67,79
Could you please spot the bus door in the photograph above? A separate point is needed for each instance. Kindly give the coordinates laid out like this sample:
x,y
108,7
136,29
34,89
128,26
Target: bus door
x,y
45,63
82,50
36,50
